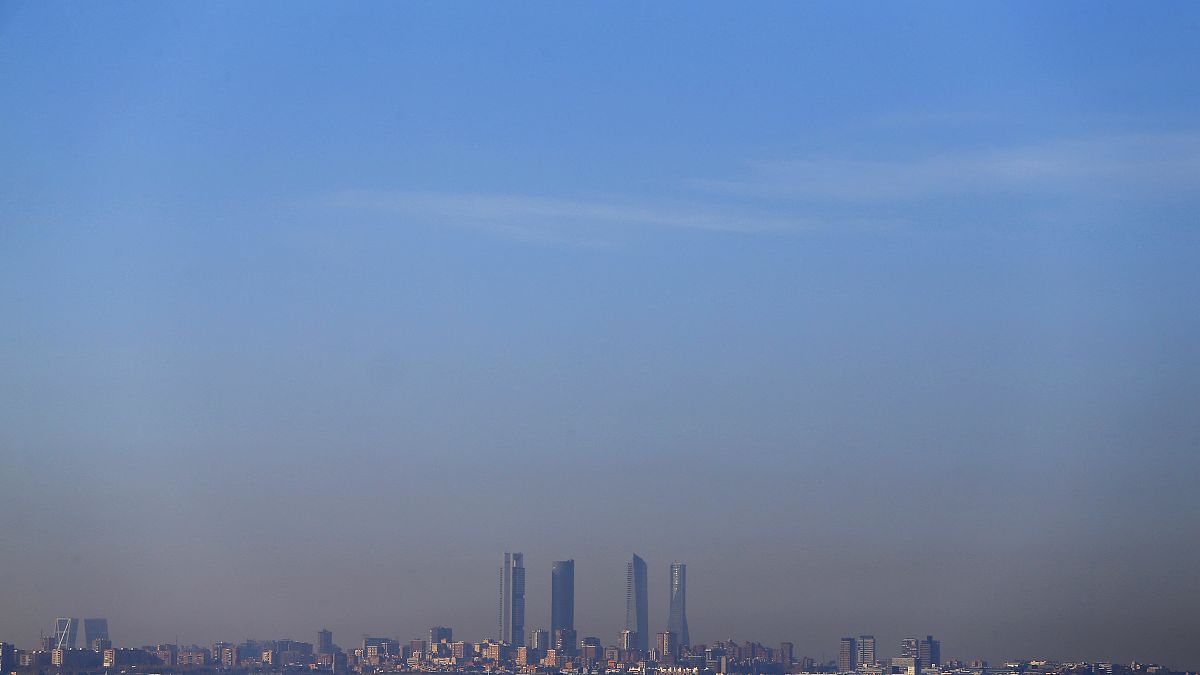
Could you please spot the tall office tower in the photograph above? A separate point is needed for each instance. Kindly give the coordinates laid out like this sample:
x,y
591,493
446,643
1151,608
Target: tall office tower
x,y
637,603
565,641
440,634
668,646
786,653
847,655
866,650
66,630
562,596
324,641
95,629
909,649
539,640
512,599
677,622
8,657
628,640
930,652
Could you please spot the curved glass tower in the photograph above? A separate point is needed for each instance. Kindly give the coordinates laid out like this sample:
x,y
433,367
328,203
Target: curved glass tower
x,y
677,623
636,603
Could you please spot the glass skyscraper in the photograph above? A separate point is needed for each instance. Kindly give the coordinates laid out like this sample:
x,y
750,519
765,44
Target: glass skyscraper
x,y
66,631
637,603
677,623
94,629
512,599
562,597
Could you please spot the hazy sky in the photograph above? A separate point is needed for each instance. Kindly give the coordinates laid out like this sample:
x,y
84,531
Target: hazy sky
x,y
881,317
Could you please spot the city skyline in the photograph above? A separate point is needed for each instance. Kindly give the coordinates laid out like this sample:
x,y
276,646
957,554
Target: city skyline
x,y
854,653
563,579
442,649
878,316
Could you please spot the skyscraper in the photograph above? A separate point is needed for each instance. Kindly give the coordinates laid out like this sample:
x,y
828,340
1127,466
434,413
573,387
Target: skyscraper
x,y
94,629
847,655
440,634
866,650
539,640
677,622
628,640
66,630
637,603
667,645
930,652
909,649
324,642
562,597
786,654
512,599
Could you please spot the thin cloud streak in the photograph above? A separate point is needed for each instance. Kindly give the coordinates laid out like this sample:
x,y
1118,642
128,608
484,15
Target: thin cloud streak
x,y
526,216
1045,183
1117,166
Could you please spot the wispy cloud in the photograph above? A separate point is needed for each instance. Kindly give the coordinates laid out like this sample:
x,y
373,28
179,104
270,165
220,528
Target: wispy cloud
x,y
552,219
1145,165
1046,182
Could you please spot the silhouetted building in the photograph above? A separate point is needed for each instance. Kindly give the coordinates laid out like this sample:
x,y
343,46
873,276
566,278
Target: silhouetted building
x,y
335,661
440,634
562,597
786,653
115,658
677,621
166,654
539,640
614,654
94,629
929,651
564,641
194,657
847,655
866,650
668,646
66,631
495,652
637,603
512,599
100,644
526,656
904,665
8,657
324,641
590,650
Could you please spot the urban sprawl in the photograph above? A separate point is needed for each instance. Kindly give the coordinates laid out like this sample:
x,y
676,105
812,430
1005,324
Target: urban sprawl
x,y
558,649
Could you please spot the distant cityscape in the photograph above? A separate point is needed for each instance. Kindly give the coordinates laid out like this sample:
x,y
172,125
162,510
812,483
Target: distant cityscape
x,y
514,649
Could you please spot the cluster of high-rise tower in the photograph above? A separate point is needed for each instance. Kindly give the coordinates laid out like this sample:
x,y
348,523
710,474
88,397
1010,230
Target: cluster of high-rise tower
x,y
562,635
66,632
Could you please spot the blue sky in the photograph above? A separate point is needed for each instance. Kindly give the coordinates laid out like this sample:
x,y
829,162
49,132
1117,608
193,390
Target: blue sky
x,y
901,298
